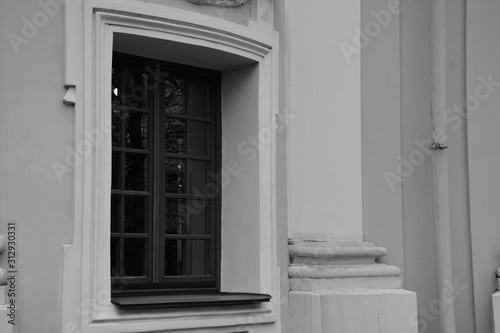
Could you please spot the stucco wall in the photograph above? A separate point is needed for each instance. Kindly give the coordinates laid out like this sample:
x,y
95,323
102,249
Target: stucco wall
x,y
381,125
467,314
483,56
280,17
325,135
35,130
398,213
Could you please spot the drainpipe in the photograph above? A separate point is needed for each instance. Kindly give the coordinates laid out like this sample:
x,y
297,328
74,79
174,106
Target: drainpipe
x,y
440,167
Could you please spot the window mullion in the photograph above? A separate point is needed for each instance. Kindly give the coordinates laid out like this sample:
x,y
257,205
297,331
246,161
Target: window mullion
x,y
215,107
122,177
187,243
159,178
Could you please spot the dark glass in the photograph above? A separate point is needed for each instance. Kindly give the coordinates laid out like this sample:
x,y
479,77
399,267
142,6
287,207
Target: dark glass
x,y
115,213
199,257
115,170
175,95
116,123
137,88
136,172
174,257
175,216
136,214
175,170
179,174
200,183
115,256
198,213
198,138
116,93
134,257
136,129
198,99
175,136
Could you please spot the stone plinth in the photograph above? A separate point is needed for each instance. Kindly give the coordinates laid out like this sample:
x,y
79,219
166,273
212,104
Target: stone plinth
x,y
339,287
354,311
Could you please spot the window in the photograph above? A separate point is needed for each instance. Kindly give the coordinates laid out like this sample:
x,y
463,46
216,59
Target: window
x,y
247,61
165,220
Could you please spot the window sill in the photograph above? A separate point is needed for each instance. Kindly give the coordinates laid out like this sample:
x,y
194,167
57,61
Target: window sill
x,y
189,300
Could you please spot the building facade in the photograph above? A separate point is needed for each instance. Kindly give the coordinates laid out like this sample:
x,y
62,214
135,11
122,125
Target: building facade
x,y
249,166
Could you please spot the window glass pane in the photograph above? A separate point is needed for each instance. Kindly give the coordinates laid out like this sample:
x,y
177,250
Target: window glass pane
x,y
136,129
198,101
198,216
175,170
175,95
115,170
136,214
134,257
116,93
175,136
183,243
199,179
175,216
198,138
115,256
137,88
199,257
115,213
174,257
136,172
116,123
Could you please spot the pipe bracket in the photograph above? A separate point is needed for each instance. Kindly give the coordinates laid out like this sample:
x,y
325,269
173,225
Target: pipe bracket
x,y
438,146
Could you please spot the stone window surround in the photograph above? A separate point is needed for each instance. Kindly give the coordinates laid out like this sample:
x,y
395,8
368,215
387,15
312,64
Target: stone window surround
x,y
84,298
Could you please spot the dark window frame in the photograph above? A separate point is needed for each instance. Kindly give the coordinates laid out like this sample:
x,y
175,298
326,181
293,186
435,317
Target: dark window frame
x,y
156,284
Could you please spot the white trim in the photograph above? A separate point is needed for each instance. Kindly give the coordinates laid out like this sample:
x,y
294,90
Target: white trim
x,y
85,271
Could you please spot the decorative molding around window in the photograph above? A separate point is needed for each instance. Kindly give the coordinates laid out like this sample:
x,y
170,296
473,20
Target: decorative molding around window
x,y
220,3
247,62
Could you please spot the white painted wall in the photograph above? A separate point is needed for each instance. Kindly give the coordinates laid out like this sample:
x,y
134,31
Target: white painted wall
x,y
381,124
483,59
420,275
35,129
396,121
417,187
466,314
325,135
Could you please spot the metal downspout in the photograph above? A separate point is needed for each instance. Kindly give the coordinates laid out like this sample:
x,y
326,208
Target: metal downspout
x,y
440,167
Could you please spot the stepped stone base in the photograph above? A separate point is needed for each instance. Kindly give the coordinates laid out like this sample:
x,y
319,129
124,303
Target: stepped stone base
x,y
328,265
340,288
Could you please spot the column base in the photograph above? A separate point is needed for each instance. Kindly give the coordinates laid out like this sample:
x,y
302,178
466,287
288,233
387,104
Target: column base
x,y
341,288
354,311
